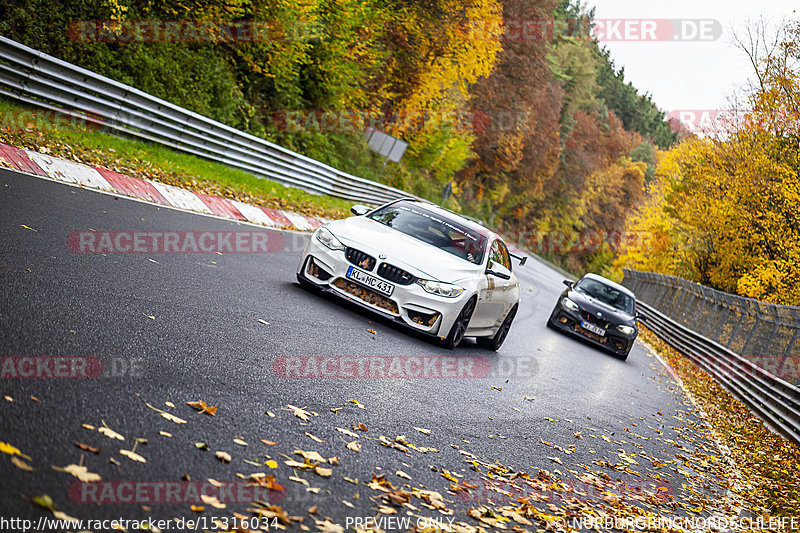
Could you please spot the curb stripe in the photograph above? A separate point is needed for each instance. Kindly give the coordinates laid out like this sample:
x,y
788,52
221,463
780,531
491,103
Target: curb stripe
x,y
254,214
19,159
32,162
298,221
221,206
135,187
277,217
181,198
69,171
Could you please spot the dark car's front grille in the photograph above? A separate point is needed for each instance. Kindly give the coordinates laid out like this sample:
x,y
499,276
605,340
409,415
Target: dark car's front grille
x,y
397,275
359,258
593,319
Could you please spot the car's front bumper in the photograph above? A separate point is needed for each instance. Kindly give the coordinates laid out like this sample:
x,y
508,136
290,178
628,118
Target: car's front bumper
x,y
570,321
410,304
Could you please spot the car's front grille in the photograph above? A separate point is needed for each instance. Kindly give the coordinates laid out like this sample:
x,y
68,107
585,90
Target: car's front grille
x,y
592,319
359,258
397,275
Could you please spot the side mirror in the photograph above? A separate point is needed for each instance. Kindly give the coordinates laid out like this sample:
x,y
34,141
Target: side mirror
x,y
568,283
640,317
360,210
498,271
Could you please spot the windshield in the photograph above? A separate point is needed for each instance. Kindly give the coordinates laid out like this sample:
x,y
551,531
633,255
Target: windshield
x,y
445,233
606,294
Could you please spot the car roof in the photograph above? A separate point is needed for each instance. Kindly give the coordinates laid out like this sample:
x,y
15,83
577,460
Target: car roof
x,y
610,283
470,224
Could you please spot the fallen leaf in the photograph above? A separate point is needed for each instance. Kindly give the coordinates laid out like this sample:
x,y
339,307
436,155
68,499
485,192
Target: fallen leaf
x,y
225,457
86,447
240,442
328,527
357,403
324,472
268,442
272,463
299,412
556,460
423,430
9,449
64,517
201,446
355,446
22,465
262,321
110,433
402,474
203,408
166,415
346,432
165,434
298,480
130,454
213,501
310,455
314,438
169,404
197,508
80,472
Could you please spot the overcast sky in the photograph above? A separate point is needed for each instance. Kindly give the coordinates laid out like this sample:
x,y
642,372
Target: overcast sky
x,y
689,74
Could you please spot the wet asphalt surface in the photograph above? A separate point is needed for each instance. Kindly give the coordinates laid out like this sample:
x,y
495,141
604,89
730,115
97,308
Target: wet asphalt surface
x,y
185,327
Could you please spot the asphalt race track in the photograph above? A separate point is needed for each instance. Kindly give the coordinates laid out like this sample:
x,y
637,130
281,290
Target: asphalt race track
x,y
185,327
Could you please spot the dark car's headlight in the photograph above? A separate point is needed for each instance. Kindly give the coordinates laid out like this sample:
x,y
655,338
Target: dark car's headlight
x,y
569,304
328,239
626,330
448,290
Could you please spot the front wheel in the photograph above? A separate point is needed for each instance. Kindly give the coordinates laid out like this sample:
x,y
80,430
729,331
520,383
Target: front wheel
x,y
459,328
494,343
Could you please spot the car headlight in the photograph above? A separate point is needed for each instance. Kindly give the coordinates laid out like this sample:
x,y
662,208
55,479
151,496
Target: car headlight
x,y
626,330
448,290
569,304
328,239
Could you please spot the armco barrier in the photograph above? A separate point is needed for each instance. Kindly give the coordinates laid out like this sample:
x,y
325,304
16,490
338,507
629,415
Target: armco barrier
x,y
773,399
39,79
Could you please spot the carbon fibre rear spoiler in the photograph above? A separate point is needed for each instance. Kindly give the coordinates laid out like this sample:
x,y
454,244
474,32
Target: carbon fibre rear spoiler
x,y
521,258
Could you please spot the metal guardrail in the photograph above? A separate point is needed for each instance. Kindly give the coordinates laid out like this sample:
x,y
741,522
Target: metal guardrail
x,y
36,78
772,399
763,333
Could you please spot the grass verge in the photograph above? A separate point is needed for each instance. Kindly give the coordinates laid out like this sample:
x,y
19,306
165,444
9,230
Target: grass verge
x,y
770,462
34,129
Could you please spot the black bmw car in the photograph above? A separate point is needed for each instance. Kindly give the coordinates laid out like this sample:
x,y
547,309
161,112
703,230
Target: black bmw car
x,y
599,310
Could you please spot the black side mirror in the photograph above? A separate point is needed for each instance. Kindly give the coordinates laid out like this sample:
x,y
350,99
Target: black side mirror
x,y
568,283
359,210
640,317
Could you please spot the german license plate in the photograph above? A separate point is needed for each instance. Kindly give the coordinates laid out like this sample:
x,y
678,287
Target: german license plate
x,y
370,281
597,330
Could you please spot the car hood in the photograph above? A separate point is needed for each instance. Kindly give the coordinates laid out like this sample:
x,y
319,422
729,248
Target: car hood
x,y
419,258
594,306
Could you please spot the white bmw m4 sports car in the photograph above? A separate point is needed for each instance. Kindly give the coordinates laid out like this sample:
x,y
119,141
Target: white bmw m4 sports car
x,y
423,266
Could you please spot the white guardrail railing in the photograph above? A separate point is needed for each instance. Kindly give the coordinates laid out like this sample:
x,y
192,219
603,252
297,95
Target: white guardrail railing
x,y
38,79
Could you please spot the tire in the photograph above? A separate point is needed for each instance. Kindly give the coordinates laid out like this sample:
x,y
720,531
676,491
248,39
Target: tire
x,y
494,343
456,334
624,356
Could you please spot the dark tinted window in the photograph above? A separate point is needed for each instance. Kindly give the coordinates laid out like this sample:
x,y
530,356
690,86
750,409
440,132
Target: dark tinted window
x,y
606,294
445,233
